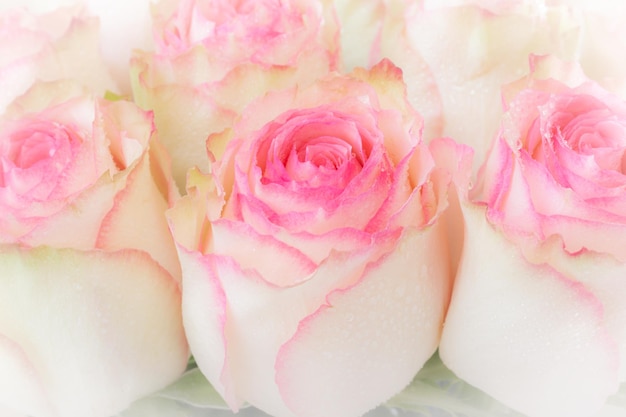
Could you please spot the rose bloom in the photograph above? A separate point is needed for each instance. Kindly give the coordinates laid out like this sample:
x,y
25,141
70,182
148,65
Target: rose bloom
x,y
54,45
537,318
315,268
90,313
456,54
212,57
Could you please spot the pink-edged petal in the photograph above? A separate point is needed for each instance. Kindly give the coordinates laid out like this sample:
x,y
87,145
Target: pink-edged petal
x,y
85,213
560,212
425,203
399,192
204,316
189,219
319,247
278,263
252,315
246,82
603,275
366,342
429,198
457,160
581,234
123,129
100,329
504,188
261,317
524,333
137,218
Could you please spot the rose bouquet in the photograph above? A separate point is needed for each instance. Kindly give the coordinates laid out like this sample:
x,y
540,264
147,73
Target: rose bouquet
x,y
305,208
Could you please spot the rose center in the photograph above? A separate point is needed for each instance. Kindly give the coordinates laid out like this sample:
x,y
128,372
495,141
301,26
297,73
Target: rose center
x,y
29,147
602,137
314,149
326,151
35,151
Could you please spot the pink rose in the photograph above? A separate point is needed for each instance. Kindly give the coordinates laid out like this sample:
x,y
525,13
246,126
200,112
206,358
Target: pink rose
x,y
90,297
212,57
456,54
55,45
315,267
538,318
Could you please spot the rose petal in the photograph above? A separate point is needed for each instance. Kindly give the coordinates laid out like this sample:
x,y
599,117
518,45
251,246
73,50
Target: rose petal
x,y
394,42
519,331
204,315
111,317
360,26
366,342
184,116
603,276
275,261
59,44
137,218
256,323
85,213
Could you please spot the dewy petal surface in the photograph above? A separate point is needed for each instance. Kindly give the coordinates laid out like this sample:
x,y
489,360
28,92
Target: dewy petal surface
x,y
526,334
204,315
238,333
366,342
604,276
103,328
